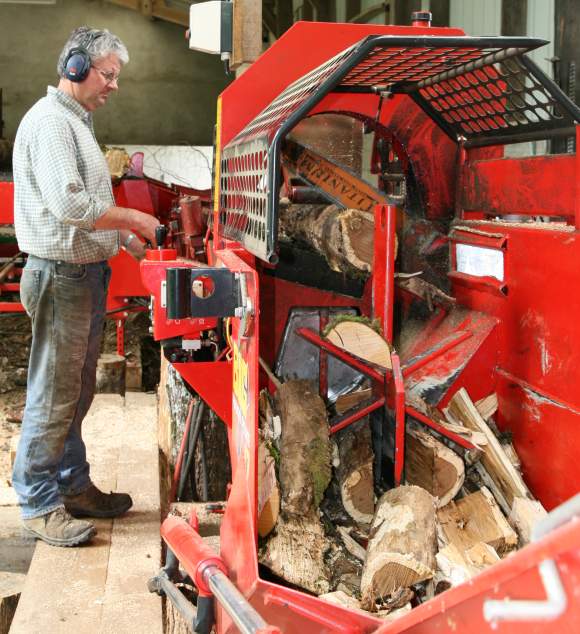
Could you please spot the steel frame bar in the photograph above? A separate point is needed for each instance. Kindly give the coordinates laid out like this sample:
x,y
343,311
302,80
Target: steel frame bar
x,y
391,385
399,401
439,428
384,268
360,412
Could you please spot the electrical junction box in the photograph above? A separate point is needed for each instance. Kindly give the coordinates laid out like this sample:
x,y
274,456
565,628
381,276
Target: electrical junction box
x,y
210,27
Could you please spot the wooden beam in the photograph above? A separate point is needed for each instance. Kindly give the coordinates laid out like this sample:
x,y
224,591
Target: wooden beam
x,y
247,36
284,16
514,17
440,11
353,8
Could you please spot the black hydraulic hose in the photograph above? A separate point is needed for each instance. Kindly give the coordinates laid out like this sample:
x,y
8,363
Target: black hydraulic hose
x,y
194,431
186,461
203,460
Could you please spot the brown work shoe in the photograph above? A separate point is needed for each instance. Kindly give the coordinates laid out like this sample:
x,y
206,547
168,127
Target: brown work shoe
x,y
95,503
60,529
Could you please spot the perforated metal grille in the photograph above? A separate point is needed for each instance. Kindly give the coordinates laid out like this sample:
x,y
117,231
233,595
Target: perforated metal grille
x,y
495,98
270,119
403,64
479,90
243,195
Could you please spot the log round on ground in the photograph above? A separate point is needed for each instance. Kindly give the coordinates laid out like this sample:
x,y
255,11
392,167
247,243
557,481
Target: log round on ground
x,y
402,544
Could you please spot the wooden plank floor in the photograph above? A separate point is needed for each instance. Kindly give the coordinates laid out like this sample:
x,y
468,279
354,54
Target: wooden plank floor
x,y
102,586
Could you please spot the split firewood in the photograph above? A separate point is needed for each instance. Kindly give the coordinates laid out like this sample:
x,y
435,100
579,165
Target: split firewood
x,y
361,340
268,491
433,466
455,566
353,547
402,544
296,551
355,472
525,514
500,469
512,455
347,401
342,599
476,518
487,406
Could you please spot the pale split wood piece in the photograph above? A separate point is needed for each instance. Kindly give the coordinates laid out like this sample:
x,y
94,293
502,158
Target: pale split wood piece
x,y
476,518
497,464
434,466
402,544
487,406
525,514
455,566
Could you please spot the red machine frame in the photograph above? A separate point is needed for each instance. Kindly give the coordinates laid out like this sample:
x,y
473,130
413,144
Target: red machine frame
x,y
511,339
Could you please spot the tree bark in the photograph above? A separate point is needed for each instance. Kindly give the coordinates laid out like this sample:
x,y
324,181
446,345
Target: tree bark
x,y
344,236
402,544
111,374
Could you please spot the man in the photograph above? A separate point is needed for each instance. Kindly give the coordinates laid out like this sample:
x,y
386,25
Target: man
x,y
66,220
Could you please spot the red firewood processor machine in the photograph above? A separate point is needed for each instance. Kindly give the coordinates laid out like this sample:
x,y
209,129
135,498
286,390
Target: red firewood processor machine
x,y
442,110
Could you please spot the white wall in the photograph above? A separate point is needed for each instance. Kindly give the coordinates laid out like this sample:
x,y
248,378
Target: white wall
x,y
476,17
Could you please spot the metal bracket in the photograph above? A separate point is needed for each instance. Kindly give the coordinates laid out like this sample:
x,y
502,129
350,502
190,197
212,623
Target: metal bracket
x,y
557,601
183,301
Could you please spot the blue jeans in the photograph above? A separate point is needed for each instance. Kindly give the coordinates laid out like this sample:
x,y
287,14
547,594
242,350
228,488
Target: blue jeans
x,y
66,304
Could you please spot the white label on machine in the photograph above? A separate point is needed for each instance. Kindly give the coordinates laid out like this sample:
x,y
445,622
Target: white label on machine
x,y
479,261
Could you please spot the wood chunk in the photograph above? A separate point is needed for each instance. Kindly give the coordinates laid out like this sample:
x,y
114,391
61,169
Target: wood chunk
x,y
296,553
432,465
355,472
476,518
524,515
353,547
343,236
455,566
341,598
11,584
305,452
402,544
297,549
118,162
512,455
487,406
111,374
268,491
362,341
493,458
346,401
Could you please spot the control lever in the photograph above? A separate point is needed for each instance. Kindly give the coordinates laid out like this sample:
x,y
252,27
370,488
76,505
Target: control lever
x,y
160,235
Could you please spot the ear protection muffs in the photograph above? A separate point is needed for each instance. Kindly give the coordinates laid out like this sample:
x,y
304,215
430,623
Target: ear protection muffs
x,y
78,61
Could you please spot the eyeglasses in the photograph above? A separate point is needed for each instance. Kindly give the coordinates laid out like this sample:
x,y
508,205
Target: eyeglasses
x,y
108,76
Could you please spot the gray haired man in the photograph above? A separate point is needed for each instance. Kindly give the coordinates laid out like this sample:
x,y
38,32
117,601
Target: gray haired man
x,y
66,220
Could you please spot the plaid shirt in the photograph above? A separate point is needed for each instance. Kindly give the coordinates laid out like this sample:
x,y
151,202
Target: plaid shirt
x,y
61,183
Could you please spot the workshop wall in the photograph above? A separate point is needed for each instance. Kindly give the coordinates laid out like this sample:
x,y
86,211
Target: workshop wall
x,y
167,93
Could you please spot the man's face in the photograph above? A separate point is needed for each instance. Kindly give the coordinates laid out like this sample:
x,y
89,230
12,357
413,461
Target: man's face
x,y
101,81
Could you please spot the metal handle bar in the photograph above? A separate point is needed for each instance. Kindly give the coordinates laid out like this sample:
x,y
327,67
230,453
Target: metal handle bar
x,y
556,601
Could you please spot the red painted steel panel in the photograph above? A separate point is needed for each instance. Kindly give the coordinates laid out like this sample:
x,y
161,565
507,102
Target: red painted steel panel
x,y
6,202
537,186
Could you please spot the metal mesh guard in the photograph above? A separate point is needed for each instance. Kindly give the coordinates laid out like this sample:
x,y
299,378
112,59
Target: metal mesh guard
x,y
476,89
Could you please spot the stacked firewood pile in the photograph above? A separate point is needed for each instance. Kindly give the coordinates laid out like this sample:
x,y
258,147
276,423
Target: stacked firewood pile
x,y
323,529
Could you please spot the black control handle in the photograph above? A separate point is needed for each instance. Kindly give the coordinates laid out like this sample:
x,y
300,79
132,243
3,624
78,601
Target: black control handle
x,y
160,235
